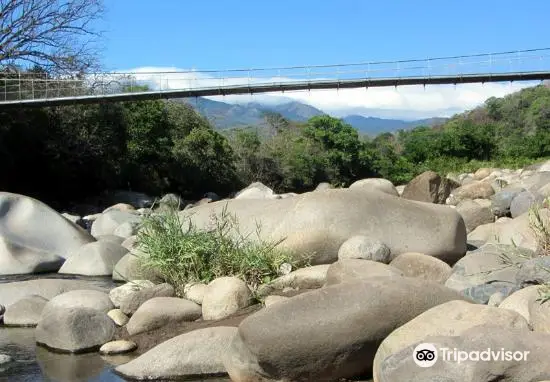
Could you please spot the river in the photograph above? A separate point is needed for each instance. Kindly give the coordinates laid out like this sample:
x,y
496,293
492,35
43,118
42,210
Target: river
x,y
32,363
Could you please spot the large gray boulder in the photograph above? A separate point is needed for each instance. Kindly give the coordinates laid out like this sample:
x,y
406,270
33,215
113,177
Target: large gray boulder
x,y
197,354
317,223
160,311
34,237
450,318
74,330
256,190
47,288
109,221
522,367
76,322
329,333
94,259
429,187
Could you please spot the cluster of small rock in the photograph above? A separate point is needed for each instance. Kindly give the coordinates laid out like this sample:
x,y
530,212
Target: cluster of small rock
x,y
452,261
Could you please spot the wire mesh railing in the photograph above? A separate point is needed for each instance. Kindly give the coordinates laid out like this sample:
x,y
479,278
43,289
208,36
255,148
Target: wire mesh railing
x,y
16,86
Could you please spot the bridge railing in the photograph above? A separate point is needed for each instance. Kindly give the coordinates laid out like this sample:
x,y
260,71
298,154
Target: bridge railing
x,y
30,85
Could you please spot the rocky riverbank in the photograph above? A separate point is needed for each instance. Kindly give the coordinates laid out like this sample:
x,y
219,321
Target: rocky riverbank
x,y
456,261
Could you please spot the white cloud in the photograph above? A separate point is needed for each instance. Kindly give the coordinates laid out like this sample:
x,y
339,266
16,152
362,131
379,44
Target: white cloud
x,y
400,102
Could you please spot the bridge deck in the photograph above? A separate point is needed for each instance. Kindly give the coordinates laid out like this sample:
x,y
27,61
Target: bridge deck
x,y
282,87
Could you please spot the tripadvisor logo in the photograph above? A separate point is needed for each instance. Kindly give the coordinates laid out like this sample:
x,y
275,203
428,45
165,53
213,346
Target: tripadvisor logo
x,y
426,355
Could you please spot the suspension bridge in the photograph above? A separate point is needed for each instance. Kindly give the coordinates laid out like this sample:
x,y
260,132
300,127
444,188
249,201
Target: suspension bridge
x,y
18,89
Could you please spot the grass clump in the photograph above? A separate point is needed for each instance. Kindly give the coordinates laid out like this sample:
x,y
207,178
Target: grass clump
x,y
181,253
541,228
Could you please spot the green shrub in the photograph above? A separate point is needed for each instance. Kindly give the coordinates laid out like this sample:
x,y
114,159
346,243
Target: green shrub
x,y
182,253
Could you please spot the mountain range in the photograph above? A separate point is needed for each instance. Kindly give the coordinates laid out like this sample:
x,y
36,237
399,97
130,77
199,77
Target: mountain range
x,y
226,115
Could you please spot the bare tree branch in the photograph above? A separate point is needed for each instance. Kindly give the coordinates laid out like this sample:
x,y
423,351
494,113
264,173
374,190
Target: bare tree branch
x,y
55,34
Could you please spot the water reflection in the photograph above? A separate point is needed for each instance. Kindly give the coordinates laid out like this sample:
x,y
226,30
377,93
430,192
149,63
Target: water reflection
x,y
34,363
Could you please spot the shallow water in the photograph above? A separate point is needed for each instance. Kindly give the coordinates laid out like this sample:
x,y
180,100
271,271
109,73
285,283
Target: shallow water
x,y
33,363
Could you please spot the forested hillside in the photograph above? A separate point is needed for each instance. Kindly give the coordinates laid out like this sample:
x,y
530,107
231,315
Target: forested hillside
x,y
67,153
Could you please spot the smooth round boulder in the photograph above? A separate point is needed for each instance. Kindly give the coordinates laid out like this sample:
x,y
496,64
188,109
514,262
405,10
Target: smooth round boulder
x,y
376,184
527,359
361,247
475,214
193,355
130,302
450,318
91,299
195,292
33,237
25,312
352,270
119,293
118,317
225,296
124,207
118,347
312,233
160,311
474,190
256,190
74,329
329,333
108,222
421,266
132,267
94,259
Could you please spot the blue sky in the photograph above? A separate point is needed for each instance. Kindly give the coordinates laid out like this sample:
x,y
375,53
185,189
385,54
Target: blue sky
x,y
220,34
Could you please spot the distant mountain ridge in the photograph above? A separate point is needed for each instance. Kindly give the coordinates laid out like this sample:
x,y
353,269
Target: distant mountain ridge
x,y
225,115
